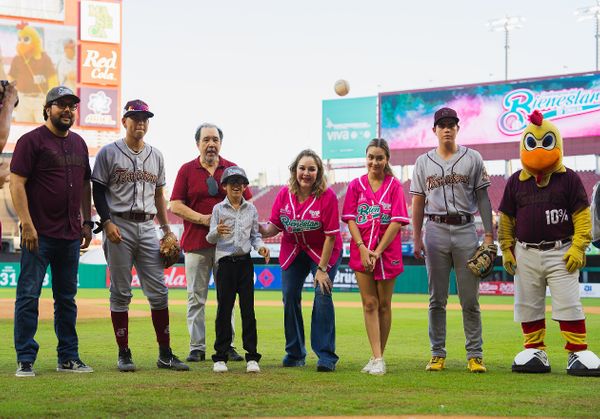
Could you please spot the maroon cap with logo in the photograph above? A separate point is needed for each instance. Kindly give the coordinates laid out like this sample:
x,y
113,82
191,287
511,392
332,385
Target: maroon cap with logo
x,y
445,113
137,106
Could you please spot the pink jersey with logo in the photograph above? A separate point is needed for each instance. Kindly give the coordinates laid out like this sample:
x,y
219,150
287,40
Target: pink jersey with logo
x,y
373,213
305,225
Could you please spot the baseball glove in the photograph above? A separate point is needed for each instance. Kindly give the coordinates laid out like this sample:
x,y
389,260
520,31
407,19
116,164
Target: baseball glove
x,y
169,250
482,262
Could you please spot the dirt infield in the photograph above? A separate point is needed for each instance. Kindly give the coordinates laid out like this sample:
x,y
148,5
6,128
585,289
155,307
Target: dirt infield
x,y
97,308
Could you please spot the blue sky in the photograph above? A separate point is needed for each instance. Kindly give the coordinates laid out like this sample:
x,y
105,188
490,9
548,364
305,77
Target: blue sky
x,y
260,69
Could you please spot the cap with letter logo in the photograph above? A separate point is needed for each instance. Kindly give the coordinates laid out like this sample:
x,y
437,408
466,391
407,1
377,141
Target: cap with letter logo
x,y
137,106
233,172
444,113
60,92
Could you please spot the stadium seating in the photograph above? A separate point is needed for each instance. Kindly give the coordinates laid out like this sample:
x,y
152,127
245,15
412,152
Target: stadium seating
x,y
264,197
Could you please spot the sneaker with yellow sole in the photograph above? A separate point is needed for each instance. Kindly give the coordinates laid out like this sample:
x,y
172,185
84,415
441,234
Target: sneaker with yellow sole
x,y
476,365
436,363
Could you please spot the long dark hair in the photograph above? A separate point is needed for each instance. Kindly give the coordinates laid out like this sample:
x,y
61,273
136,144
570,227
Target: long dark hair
x,y
382,144
320,184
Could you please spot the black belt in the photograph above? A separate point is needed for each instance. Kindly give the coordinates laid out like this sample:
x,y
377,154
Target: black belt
x,y
135,216
453,219
235,258
546,245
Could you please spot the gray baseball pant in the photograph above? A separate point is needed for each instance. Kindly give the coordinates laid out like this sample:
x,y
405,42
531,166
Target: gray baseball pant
x,y
139,248
447,247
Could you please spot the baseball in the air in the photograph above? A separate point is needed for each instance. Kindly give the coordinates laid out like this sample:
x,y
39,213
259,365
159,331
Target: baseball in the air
x,y
341,87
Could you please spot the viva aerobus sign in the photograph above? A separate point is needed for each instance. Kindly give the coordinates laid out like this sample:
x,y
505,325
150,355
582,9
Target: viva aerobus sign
x,y
348,126
494,112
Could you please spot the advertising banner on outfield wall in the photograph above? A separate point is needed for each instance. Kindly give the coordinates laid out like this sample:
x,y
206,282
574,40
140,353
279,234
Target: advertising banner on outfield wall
x,y
348,126
493,112
344,280
88,276
496,288
266,277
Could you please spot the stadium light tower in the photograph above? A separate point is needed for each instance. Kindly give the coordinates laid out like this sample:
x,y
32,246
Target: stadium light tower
x,y
591,12
506,24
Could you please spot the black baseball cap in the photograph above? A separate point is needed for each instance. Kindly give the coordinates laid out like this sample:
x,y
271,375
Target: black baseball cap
x,y
233,171
60,92
137,106
445,113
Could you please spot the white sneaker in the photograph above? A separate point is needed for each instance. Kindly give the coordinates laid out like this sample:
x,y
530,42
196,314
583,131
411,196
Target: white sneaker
x,y
252,366
220,366
367,368
378,367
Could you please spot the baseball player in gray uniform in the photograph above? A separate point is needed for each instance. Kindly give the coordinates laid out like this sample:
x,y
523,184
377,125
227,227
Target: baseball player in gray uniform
x,y
449,185
128,181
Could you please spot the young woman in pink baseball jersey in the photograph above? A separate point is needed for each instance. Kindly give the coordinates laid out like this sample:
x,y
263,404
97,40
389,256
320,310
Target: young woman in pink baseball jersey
x,y
306,212
375,210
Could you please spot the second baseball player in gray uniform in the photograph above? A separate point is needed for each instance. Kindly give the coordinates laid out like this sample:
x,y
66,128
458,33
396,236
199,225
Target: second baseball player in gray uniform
x,y
449,185
128,181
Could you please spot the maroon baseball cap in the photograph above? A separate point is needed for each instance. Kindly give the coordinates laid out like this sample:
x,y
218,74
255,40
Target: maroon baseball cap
x,y
445,113
137,106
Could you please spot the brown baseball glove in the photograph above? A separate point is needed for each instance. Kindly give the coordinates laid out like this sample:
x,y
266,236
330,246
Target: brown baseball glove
x,y
482,262
169,249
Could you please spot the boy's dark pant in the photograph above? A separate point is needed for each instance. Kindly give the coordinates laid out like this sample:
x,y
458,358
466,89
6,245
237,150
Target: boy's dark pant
x,y
235,274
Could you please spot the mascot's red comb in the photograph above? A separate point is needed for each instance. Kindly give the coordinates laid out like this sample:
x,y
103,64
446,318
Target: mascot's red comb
x,y
536,118
21,25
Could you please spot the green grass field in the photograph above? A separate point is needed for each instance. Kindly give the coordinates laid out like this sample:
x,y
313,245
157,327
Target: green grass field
x,y
407,389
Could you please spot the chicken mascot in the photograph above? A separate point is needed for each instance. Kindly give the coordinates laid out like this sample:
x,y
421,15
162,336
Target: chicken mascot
x,y
34,72
544,230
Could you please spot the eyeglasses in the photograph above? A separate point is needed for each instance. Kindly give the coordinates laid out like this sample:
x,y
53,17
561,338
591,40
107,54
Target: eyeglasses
x,y
213,186
62,106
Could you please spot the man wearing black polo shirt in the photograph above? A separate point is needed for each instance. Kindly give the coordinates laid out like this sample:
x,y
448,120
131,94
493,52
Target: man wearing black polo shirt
x,y
50,189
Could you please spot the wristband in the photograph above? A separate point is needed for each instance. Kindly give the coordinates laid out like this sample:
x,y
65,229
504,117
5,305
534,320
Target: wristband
x,y
321,268
89,223
359,244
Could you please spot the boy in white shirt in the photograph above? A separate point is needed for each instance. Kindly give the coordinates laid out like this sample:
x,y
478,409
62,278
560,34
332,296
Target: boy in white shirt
x,y
234,230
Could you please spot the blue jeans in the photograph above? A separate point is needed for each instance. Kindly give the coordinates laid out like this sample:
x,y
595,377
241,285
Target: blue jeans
x,y
63,258
322,333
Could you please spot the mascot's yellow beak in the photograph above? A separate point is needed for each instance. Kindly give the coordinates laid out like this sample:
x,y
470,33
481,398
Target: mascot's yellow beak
x,y
541,146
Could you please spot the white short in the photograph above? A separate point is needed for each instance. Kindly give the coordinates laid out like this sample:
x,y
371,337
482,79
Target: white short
x,y
537,269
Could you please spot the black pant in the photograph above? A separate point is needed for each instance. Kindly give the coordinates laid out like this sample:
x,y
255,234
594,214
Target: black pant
x,y
235,275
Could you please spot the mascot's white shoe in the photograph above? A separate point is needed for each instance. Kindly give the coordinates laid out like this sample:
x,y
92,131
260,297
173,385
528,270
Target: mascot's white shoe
x,y
532,361
583,363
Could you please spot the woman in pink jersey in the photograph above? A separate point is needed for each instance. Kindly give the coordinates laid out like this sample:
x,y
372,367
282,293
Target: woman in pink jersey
x,y
306,212
375,210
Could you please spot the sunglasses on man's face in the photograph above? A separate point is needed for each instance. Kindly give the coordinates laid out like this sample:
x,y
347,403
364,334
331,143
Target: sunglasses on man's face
x,y
213,186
